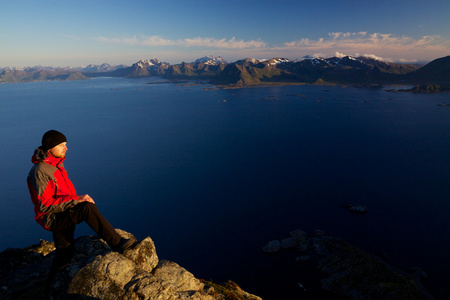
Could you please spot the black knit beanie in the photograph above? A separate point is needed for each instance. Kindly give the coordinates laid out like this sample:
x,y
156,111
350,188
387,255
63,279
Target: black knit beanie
x,y
51,139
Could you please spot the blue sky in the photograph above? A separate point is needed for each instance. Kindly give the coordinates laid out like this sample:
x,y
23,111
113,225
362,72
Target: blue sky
x,y
77,33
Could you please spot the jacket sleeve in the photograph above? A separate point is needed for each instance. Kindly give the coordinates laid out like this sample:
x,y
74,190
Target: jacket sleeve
x,y
51,203
44,188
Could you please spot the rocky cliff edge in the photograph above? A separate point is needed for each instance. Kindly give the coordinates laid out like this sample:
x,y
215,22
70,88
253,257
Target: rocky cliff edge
x,y
96,272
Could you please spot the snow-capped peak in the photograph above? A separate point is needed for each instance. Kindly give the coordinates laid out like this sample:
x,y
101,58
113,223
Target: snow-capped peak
x,y
277,61
317,61
210,60
147,63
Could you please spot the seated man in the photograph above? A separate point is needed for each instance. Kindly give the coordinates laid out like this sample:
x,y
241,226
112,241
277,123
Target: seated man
x,y
57,206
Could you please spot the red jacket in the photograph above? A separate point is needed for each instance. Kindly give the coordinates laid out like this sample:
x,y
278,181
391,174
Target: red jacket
x,y
50,189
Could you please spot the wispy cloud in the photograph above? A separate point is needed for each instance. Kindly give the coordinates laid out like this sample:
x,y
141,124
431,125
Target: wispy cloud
x,y
383,46
390,46
361,40
223,43
156,41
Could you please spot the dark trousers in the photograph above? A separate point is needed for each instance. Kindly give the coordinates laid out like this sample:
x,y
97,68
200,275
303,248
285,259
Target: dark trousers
x,y
64,225
64,230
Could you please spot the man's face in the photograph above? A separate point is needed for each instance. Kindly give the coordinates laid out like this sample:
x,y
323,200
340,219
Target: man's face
x,y
59,151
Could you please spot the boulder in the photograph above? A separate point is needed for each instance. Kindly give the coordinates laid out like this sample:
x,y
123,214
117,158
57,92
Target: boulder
x,y
171,274
144,255
103,278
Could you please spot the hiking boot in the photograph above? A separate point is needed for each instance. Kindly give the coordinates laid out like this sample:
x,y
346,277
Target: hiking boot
x,y
123,245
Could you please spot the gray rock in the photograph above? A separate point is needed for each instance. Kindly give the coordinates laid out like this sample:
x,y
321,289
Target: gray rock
x,y
171,274
272,247
290,242
106,276
298,239
298,233
144,255
302,239
147,286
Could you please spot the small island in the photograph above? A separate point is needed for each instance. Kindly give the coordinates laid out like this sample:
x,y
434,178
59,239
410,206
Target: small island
x,y
345,271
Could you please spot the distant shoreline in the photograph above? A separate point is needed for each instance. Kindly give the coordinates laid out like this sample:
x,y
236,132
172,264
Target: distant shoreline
x,y
422,89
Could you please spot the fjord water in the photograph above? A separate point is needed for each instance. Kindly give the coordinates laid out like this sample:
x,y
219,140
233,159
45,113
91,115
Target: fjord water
x,y
213,181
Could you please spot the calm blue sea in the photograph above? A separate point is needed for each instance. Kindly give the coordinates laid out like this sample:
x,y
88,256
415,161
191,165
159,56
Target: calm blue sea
x,y
212,181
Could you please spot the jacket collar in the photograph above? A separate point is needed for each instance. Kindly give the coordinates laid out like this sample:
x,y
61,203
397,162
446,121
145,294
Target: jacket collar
x,y
43,156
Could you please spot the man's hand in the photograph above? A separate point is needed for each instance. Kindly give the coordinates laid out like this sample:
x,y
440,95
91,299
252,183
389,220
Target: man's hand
x,y
86,198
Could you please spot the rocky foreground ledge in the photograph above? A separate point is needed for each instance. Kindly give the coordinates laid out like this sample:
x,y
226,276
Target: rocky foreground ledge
x,y
96,272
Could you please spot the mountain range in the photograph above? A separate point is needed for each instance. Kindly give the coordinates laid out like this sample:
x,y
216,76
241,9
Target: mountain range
x,y
251,72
